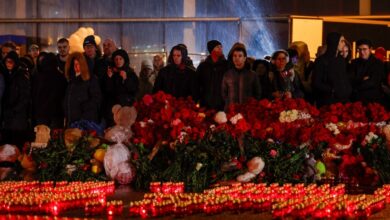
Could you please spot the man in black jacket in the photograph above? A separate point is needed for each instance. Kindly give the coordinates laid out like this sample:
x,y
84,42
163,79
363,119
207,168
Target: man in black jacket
x,y
210,74
331,83
367,73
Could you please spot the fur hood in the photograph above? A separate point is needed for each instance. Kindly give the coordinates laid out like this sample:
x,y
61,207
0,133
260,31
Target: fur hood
x,y
69,70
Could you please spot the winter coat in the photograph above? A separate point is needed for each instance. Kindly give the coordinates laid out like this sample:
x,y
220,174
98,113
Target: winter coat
x,y
330,80
16,99
179,82
48,91
83,96
238,86
210,82
290,83
368,90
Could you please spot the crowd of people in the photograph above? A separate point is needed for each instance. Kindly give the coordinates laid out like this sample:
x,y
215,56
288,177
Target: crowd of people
x,y
60,89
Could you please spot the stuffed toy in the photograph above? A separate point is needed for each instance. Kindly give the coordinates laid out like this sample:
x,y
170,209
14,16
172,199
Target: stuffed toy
x,y
42,136
125,117
255,166
117,158
71,137
29,167
310,169
76,39
9,154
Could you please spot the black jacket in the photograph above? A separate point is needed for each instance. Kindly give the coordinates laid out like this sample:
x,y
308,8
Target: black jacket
x,y
177,82
83,100
368,90
48,91
330,79
210,82
16,100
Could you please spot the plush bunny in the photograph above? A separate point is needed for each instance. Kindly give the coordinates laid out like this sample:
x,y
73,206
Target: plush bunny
x,y
255,166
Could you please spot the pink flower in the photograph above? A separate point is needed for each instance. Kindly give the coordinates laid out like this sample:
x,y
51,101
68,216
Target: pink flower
x,y
273,153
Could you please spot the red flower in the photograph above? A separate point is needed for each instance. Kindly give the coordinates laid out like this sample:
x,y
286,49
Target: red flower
x,y
273,153
147,99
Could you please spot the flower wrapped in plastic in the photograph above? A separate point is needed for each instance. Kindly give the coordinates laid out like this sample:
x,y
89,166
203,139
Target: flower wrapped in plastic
x,y
117,158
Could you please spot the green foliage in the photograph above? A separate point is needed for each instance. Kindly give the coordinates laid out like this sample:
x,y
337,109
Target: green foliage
x,y
53,160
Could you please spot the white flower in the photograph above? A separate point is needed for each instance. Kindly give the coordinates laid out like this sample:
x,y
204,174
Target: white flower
x,y
142,124
198,166
220,117
212,127
333,128
150,121
235,118
369,138
70,168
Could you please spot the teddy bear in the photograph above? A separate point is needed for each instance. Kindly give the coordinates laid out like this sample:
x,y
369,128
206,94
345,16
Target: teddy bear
x,y
29,167
42,136
125,117
386,132
9,154
71,137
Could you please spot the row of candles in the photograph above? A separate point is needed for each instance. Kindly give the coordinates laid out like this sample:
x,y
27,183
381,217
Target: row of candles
x,y
296,201
49,197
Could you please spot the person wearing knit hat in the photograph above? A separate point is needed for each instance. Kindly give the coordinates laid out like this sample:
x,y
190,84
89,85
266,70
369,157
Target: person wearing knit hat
x,y
210,74
93,55
212,44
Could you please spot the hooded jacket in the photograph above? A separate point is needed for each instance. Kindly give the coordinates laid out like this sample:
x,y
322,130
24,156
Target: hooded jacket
x,y
116,90
16,101
48,90
83,96
330,80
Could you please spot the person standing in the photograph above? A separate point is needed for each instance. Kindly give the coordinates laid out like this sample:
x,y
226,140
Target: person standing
x,y
239,83
83,96
120,85
93,57
16,102
367,74
210,74
48,92
330,80
63,53
178,78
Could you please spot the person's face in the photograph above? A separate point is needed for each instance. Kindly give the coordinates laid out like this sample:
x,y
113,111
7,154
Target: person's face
x,y
177,57
90,50
345,52
34,52
239,59
218,50
341,44
76,66
364,51
119,61
108,47
281,61
261,69
5,51
157,61
63,49
10,64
